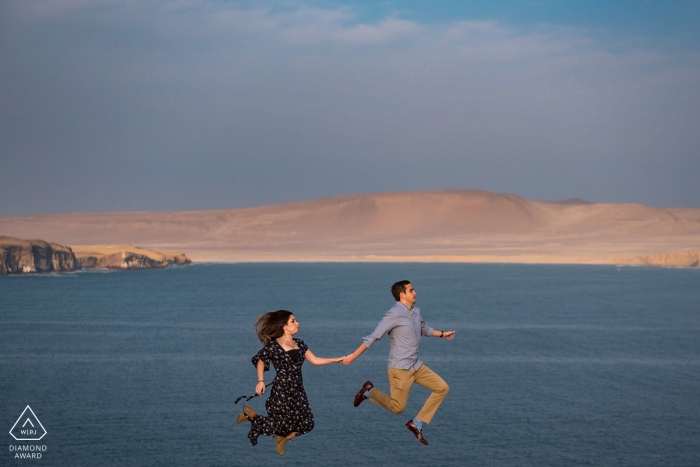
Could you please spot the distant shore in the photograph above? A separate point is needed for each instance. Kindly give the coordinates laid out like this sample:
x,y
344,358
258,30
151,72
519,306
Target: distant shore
x,y
673,260
431,226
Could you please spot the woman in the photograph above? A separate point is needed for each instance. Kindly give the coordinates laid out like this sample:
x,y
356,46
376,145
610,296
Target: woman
x,y
288,411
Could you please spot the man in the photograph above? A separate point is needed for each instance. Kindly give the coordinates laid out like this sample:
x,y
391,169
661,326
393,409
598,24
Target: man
x,y
405,327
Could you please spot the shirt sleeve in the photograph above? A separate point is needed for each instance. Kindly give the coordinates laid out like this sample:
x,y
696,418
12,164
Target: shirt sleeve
x,y
265,355
426,330
387,323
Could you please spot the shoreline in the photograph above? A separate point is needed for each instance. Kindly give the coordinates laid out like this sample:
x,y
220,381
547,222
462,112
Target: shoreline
x,y
612,265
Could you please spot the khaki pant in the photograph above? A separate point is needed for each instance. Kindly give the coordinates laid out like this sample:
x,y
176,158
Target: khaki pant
x,y
400,382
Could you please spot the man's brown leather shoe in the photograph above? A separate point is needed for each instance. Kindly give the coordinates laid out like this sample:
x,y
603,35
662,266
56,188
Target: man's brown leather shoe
x,y
360,396
411,425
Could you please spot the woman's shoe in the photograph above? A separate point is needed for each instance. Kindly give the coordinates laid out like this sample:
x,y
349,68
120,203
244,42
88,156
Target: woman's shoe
x,y
248,414
280,445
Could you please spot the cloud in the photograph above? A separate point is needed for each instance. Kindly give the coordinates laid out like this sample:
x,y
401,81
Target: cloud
x,y
301,101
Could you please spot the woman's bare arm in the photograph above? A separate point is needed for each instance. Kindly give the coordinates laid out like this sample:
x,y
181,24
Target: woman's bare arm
x,y
260,387
314,360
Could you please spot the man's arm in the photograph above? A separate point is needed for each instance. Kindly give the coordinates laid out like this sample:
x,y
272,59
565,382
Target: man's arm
x,y
385,325
349,358
449,335
428,331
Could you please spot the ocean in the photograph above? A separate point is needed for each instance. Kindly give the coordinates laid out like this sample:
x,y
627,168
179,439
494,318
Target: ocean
x,y
552,365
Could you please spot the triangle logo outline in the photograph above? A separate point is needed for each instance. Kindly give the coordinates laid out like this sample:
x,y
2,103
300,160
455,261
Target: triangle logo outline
x,y
28,419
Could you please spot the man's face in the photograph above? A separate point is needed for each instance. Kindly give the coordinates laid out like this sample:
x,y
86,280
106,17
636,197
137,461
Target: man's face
x,y
409,295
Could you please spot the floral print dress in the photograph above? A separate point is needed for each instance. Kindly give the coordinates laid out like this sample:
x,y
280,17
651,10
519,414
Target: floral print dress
x,y
287,407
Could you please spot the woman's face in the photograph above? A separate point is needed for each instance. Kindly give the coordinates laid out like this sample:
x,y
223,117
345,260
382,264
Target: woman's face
x,y
292,326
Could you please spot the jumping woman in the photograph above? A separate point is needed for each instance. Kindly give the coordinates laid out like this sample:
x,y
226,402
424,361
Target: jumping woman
x,y
288,411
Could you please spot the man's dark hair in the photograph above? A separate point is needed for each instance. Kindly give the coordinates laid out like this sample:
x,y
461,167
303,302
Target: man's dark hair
x,y
399,288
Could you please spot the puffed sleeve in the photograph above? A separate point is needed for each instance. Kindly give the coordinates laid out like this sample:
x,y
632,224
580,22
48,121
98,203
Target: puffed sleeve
x,y
302,346
265,354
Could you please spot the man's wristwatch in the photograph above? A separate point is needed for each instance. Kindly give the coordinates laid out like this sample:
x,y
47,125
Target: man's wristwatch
x,y
442,333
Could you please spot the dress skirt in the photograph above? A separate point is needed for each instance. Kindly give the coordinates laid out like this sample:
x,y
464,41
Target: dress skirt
x,y
287,407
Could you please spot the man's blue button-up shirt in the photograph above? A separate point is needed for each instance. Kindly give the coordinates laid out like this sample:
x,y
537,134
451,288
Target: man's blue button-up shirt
x,y
405,328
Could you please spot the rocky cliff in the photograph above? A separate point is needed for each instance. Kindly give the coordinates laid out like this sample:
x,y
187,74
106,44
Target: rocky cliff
x,y
690,259
126,257
19,256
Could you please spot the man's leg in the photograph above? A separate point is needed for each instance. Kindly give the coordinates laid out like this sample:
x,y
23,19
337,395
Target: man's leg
x,y
400,382
429,379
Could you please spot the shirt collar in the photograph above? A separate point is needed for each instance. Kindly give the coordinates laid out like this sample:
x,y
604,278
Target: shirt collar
x,y
410,310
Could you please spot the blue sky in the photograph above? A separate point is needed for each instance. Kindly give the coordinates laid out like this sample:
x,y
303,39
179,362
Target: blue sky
x,y
620,14
171,105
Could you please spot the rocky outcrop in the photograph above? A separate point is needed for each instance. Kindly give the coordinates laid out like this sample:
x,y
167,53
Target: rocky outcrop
x,y
126,257
18,256
690,259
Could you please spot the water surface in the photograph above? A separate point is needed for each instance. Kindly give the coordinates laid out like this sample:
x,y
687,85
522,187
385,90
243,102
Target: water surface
x,y
552,365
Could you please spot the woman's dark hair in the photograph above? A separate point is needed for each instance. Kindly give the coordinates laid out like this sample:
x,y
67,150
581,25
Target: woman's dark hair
x,y
270,325
398,288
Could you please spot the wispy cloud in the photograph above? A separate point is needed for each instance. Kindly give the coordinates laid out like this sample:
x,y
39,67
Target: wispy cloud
x,y
176,87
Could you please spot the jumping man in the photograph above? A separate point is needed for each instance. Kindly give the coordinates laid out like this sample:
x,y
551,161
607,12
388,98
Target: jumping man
x,y
405,327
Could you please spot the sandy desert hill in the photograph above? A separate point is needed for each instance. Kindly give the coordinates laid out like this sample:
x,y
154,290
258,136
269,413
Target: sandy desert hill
x,y
446,225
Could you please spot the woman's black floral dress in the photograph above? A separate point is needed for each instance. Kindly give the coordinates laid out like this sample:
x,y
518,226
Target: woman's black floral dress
x,y
287,407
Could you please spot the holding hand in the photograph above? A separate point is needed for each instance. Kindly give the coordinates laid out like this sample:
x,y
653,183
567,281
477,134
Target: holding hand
x,y
348,359
449,335
260,388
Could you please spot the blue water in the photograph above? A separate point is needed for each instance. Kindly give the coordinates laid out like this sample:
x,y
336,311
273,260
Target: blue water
x,y
552,365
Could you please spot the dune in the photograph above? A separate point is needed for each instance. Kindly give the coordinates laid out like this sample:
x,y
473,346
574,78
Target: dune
x,y
446,225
